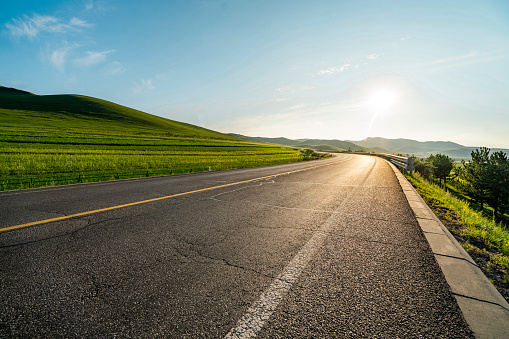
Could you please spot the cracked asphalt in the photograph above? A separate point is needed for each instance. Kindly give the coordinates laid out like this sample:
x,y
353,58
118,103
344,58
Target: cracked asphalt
x,y
191,266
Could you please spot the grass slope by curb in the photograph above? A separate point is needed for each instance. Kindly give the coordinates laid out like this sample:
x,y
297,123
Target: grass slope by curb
x,y
486,241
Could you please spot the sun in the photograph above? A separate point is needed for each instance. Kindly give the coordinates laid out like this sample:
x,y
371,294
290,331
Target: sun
x,y
382,100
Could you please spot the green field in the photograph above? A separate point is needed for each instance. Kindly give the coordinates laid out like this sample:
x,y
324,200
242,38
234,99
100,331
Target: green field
x,y
62,139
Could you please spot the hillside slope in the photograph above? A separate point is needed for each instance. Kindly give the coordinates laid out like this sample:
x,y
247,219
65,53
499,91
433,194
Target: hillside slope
x,y
20,109
67,139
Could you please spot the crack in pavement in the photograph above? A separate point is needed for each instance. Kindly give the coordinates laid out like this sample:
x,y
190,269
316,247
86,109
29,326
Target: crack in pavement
x,y
199,253
71,233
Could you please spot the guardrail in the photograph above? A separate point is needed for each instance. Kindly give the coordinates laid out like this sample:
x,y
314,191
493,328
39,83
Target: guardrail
x,y
406,163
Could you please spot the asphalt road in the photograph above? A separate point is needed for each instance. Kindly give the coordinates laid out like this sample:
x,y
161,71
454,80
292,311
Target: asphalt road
x,y
330,251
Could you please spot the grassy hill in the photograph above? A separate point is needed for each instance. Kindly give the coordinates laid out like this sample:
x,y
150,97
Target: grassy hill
x,y
20,109
60,139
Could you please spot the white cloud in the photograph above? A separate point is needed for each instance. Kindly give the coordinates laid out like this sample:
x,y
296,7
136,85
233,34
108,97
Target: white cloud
x,y
97,6
452,59
143,87
373,56
59,57
287,90
404,38
333,70
93,58
115,68
31,27
75,22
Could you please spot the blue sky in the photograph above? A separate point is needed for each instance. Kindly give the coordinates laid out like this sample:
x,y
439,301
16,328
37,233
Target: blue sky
x,y
424,70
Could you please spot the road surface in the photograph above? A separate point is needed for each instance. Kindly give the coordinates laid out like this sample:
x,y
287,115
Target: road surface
x,y
327,248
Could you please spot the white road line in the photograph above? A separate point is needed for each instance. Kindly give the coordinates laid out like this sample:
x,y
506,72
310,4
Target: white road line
x,y
256,316
261,310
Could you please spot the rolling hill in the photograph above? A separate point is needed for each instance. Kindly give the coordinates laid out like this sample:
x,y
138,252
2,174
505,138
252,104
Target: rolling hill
x,y
48,140
21,109
24,111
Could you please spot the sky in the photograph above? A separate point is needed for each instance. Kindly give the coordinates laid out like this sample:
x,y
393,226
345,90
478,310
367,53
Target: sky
x,y
424,70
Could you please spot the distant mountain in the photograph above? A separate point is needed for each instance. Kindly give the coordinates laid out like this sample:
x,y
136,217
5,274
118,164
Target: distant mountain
x,y
345,145
322,147
421,149
317,144
400,145
279,141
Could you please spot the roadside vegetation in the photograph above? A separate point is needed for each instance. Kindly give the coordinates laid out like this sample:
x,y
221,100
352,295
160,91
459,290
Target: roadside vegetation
x,y
64,139
46,158
471,199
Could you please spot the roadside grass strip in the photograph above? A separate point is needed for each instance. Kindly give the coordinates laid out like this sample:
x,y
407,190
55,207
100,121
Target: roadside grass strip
x,y
48,158
494,235
485,240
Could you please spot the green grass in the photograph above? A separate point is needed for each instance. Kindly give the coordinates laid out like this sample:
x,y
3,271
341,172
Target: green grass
x,y
22,110
486,241
62,139
453,186
476,226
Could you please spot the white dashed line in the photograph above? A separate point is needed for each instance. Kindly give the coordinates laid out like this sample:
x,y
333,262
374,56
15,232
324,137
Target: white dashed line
x,y
256,316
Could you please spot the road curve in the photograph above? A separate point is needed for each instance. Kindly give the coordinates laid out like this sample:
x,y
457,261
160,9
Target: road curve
x,y
327,248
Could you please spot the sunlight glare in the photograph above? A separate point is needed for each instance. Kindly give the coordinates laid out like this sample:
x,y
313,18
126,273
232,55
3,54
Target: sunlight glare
x,y
382,100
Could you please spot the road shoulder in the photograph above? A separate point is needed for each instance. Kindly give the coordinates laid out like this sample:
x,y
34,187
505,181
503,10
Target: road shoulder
x,y
484,309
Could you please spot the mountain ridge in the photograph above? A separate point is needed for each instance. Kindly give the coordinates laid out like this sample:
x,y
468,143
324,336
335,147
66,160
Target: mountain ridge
x,y
408,147
316,144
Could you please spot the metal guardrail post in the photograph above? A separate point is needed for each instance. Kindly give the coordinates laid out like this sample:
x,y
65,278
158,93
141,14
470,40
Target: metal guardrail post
x,y
410,165
403,162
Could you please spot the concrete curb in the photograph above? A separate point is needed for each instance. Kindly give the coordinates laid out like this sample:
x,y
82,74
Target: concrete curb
x,y
484,308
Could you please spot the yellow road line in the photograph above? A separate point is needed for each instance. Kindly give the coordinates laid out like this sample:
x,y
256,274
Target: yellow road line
x,y
149,200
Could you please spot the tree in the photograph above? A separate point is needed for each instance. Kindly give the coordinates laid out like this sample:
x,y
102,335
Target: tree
x,y
441,166
308,153
474,175
497,178
423,167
